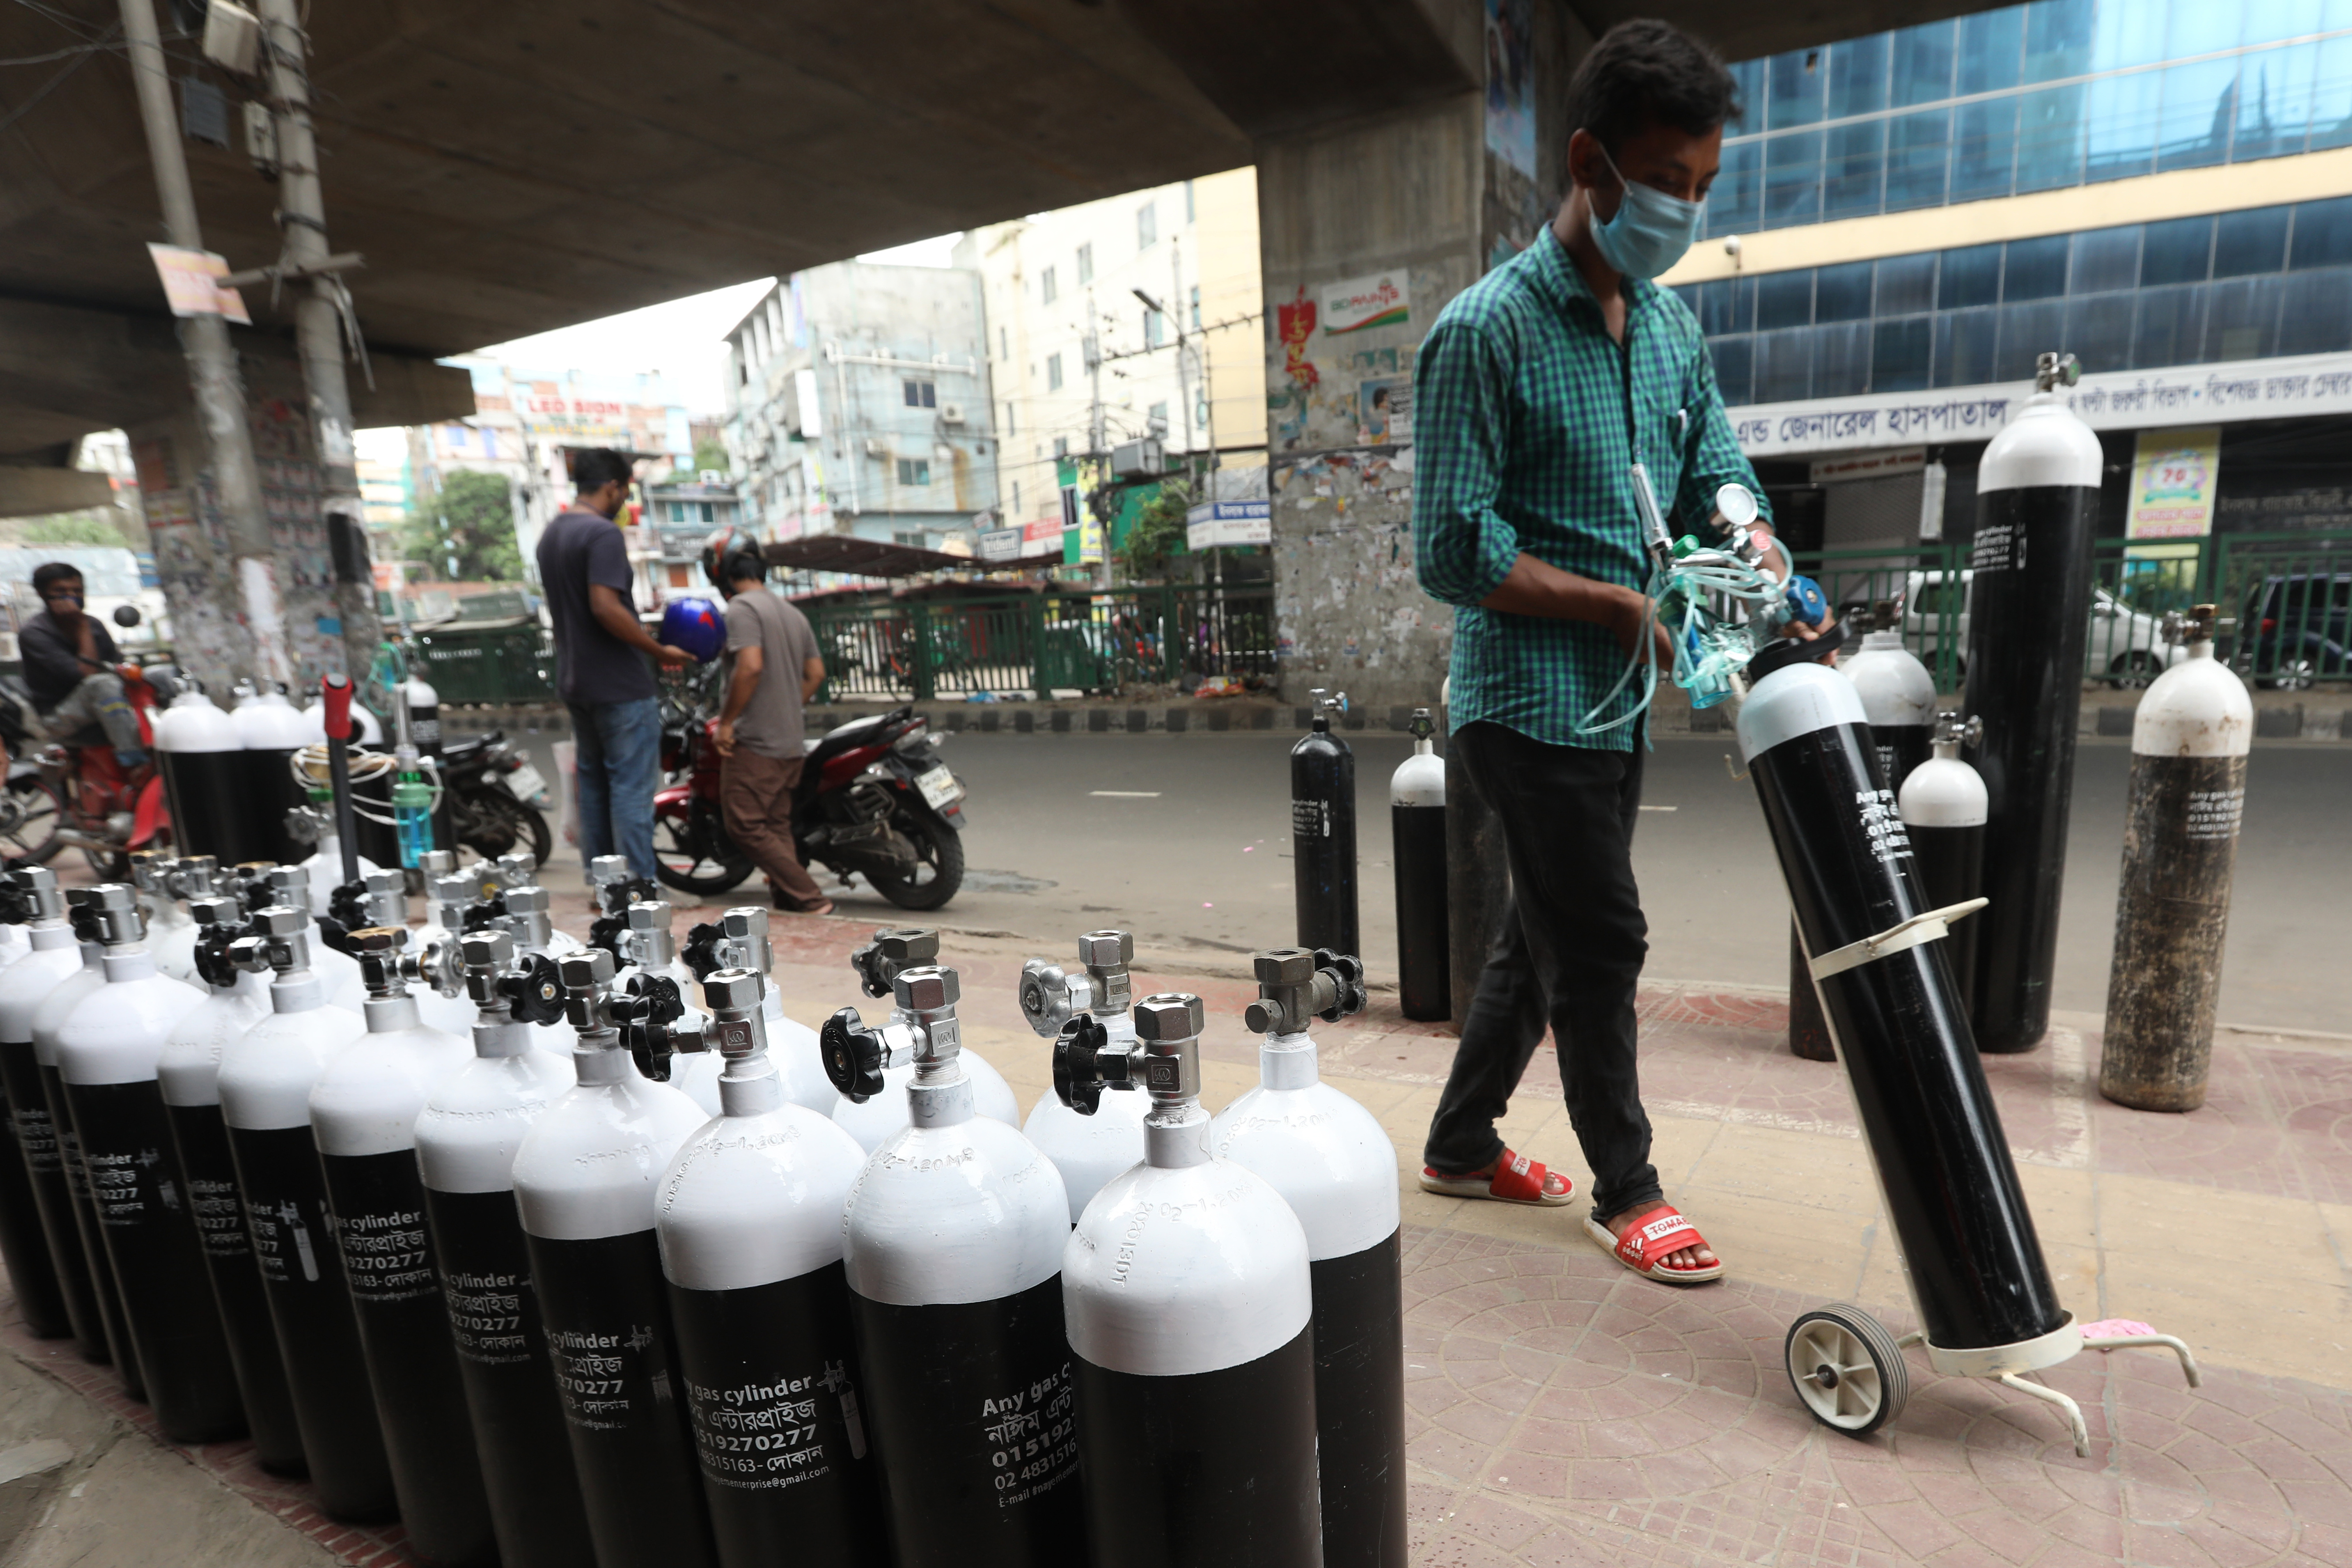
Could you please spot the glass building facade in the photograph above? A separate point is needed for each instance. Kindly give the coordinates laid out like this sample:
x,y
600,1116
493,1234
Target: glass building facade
x,y
2031,98
2243,285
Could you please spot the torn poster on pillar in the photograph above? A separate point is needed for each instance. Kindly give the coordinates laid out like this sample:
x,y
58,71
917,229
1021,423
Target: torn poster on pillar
x,y
192,283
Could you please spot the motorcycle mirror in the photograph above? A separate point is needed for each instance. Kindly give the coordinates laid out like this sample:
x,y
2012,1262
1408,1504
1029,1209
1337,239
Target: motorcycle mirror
x,y
126,615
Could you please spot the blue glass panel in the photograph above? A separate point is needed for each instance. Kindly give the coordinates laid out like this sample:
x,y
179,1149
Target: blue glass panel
x,y
1964,343
1906,284
2119,117
1784,299
2317,315
2261,21
1842,293
2171,326
2027,333
1992,49
1784,365
1918,155
1687,293
2105,258
1796,89
2241,318
1735,359
2129,32
1853,169
1842,359
2177,251
1971,277
1984,149
1899,353
2201,27
1748,80
1792,179
2247,242
2057,38
1735,204
1858,75
2201,106
2322,234
2331,95
2050,139
2273,103
2099,329
1923,63
1726,307
2036,268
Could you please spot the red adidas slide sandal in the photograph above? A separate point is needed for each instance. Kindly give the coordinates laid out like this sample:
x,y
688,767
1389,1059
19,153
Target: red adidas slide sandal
x,y
1517,1180
1645,1247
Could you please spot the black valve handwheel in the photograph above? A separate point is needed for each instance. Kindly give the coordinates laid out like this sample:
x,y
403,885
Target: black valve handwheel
x,y
852,1056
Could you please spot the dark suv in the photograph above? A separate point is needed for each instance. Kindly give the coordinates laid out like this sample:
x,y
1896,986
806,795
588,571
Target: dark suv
x,y
2297,628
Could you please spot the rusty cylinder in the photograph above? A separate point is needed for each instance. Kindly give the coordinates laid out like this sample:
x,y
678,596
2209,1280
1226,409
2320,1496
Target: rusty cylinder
x,y
2180,844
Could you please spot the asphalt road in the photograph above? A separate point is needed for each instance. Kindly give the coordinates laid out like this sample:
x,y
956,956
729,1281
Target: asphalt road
x,y
1184,839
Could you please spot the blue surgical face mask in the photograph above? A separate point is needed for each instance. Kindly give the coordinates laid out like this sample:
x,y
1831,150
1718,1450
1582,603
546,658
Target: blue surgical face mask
x,y
1651,230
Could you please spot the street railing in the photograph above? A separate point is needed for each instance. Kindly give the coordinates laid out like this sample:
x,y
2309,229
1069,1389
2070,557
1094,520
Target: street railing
x,y
2284,601
1081,640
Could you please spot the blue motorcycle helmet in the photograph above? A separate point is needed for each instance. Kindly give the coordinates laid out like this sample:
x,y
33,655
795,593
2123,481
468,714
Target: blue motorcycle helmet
x,y
698,626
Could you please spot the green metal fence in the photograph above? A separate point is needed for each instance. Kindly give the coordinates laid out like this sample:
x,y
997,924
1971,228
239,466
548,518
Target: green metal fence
x,y
2284,600
1041,643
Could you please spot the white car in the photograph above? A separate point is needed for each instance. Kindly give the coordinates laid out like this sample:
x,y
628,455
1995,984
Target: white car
x,y
2126,647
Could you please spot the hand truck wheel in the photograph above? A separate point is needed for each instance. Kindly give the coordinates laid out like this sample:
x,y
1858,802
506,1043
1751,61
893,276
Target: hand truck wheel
x,y
1847,1369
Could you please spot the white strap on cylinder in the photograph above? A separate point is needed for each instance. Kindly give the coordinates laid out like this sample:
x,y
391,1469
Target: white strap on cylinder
x,y
1919,929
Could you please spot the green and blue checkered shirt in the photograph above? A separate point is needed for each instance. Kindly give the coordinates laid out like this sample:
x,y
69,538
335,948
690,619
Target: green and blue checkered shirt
x,y
1519,444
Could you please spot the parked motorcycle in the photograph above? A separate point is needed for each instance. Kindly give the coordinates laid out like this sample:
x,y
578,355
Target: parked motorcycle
x,y
79,795
498,801
873,799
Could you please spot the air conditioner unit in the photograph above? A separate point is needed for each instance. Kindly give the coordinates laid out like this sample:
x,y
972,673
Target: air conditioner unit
x,y
1138,460
950,413
876,447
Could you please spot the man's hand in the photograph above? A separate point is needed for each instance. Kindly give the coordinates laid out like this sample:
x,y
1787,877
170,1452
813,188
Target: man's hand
x,y
672,657
128,672
1631,613
722,735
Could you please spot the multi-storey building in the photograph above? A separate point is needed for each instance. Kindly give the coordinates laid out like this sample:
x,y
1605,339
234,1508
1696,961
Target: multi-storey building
x,y
1904,221
859,403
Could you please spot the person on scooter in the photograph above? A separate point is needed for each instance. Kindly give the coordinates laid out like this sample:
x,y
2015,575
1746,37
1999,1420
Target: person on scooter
x,y
772,668
73,668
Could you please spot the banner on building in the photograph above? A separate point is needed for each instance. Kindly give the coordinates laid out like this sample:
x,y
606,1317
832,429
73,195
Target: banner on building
x,y
2173,476
1214,524
192,283
1001,544
1353,304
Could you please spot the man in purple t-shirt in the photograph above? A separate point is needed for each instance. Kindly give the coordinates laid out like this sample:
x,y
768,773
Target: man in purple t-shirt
x,y
601,650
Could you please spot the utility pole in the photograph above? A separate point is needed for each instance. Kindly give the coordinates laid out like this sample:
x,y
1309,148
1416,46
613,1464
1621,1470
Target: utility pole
x,y
319,306
222,649
1097,453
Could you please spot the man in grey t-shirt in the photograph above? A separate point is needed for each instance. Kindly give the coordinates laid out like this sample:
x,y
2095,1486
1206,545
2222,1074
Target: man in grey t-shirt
x,y
772,668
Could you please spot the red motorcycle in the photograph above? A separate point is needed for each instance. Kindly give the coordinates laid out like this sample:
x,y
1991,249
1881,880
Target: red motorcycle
x,y
873,799
79,795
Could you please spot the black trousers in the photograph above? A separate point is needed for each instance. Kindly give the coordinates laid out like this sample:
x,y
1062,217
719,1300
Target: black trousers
x,y
1569,956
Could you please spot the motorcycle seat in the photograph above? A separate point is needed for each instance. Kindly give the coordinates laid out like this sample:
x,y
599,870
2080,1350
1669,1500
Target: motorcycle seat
x,y
451,751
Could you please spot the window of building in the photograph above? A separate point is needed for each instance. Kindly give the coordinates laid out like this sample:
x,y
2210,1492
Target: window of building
x,y
1200,414
1009,430
921,393
1016,498
914,470
1196,307
1188,201
1047,292
914,537
1157,415
1151,328
1147,226
1086,264
1004,344
1061,447
1052,373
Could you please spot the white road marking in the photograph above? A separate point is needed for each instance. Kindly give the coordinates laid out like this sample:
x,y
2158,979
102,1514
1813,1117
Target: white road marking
x,y
1126,794
1661,808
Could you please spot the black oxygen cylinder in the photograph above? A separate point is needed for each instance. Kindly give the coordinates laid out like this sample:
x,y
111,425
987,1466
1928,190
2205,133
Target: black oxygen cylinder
x,y
54,956
952,1240
1323,832
363,1112
2190,740
202,758
24,1246
1333,1163
2029,620
1189,1301
1417,826
585,1181
265,1082
1951,1189
1943,807
110,1050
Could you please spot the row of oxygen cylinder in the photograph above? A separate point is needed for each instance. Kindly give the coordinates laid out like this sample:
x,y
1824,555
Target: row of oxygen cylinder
x,y
226,772
610,1279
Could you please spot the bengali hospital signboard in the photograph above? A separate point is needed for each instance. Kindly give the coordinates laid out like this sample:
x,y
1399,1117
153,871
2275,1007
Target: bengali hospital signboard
x,y
2114,400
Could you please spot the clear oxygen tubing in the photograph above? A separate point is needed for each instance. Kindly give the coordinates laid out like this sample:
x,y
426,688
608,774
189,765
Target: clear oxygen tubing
x,y
1709,648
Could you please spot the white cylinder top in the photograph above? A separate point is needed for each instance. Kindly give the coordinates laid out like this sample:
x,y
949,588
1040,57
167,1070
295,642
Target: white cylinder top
x,y
950,1215
1327,1155
27,982
1943,792
473,1125
269,723
589,1167
192,723
873,1122
117,1035
266,1076
1895,687
2198,707
1796,699
1420,780
56,1007
2043,444
190,1067
367,1101
1175,1271
751,1200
